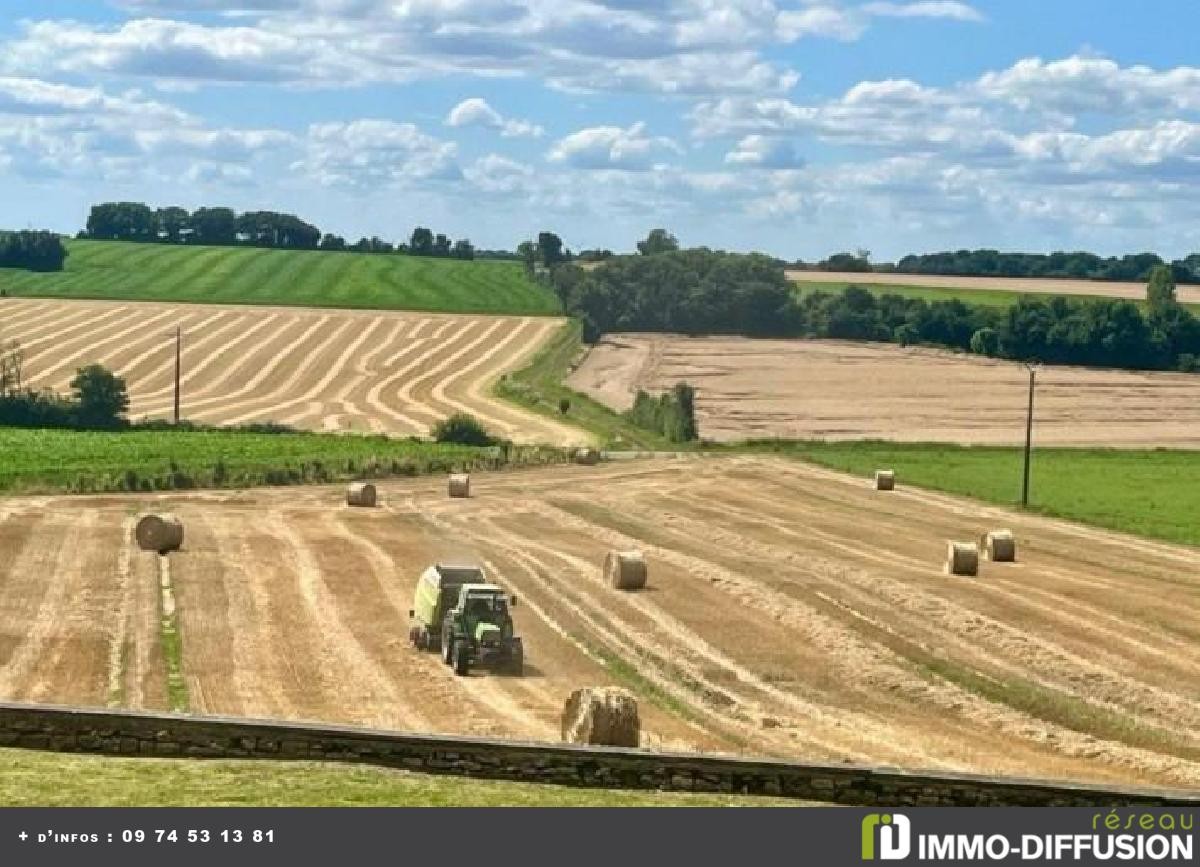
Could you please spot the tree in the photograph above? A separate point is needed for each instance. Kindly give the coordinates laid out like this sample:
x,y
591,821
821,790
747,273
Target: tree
x,y
527,250
171,223
421,242
333,242
564,405
463,249
12,362
550,249
463,429
1160,292
216,226
101,396
441,246
658,241
986,341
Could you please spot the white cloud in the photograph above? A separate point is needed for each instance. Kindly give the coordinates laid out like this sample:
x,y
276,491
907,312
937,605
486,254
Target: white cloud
x,y
476,112
611,147
926,9
768,152
826,21
371,153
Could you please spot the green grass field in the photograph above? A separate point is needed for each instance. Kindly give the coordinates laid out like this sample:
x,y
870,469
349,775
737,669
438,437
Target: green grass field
x,y
310,278
1149,493
88,461
35,779
539,387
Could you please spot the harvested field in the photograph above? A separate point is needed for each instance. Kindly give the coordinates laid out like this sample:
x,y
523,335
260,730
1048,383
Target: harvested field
x,y
792,611
1031,285
841,390
322,370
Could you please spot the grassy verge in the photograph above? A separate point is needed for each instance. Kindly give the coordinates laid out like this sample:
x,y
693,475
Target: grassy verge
x,y
307,278
50,461
539,386
34,779
1148,493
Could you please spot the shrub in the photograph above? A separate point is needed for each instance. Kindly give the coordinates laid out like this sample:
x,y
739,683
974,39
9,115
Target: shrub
x,y
986,341
564,405
463,429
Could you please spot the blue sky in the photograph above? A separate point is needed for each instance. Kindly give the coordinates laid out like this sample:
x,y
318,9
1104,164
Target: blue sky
x,y
797,127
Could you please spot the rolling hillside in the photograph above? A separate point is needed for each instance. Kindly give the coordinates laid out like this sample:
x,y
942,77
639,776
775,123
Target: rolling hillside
x,y
309,278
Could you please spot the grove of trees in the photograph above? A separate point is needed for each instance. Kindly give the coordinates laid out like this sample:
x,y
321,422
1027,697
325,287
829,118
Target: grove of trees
x,y
1078,265
99,400
35,251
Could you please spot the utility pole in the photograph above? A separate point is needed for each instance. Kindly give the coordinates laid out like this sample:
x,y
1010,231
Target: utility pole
x,y
1028,434
178,353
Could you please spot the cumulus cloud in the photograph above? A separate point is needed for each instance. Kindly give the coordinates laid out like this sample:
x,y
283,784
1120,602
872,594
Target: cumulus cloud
x,y
767,152
611,147
926,9
367,154
476,112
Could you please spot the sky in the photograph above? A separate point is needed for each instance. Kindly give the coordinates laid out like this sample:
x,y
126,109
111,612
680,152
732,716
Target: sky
x,y
799,128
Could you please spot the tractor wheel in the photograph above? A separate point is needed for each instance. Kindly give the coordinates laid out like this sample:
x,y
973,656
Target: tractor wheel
x,y
516,662
447,648
422,638
462,661
414,637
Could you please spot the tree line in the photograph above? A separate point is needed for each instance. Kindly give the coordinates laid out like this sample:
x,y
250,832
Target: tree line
x,y
34,251
1077,265
703,291
224,227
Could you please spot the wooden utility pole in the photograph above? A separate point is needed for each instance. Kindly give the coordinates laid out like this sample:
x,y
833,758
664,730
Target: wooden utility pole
x,y
1028,435
178,353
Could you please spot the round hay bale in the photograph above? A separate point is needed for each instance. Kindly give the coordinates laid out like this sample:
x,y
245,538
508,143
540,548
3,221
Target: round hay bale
x,y
625,570
962,558
885,480
361,494
587,456
602,716
460,485
159,533
999,546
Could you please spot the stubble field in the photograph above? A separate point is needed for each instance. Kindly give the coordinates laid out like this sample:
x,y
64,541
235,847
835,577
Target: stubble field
x,y
791,611
321,370
841,390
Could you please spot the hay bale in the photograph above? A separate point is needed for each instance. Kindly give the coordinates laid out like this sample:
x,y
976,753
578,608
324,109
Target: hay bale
x,y
885,480
602,715
361,494
962,558
999,546
625,570
587,456
460,485
159,533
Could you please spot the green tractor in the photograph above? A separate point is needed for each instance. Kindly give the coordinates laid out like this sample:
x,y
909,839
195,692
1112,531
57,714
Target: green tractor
x,y
457,612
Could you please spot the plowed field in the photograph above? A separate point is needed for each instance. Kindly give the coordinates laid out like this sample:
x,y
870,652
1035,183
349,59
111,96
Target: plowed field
x,y
791,611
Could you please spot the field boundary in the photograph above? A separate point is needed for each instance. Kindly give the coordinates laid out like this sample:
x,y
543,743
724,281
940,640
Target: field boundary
x,y
135,733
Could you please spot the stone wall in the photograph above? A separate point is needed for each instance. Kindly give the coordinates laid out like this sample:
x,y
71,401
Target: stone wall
x,y
81,730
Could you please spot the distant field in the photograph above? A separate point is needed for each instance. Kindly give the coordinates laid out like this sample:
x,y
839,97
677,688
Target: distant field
x,y
240,275
378,372
843,390
1150,493
1002,290
985,297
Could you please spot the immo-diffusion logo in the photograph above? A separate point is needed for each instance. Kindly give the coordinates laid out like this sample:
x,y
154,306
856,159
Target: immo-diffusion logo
x,y
1141,837
895,836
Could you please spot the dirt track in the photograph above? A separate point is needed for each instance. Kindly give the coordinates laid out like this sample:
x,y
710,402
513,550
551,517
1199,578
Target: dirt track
x,y
332,370
1034,285
829,389
791,611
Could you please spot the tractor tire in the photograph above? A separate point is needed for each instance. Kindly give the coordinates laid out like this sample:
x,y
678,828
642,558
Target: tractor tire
x,y
516,660
422,638
447,649
414,637
461,659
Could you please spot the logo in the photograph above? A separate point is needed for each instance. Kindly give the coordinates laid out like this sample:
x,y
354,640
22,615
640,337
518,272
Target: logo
x,y
895,836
